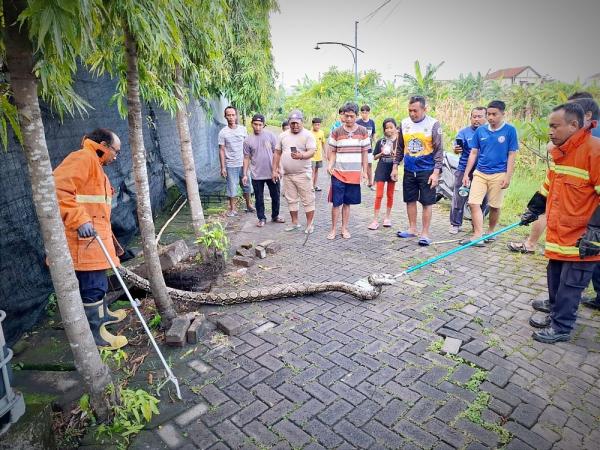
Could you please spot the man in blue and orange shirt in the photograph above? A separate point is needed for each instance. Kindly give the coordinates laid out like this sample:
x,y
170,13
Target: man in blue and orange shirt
x,y
420,142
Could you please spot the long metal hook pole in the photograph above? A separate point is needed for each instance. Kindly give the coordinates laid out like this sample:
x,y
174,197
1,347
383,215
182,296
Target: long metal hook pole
x,y
134,303
456,250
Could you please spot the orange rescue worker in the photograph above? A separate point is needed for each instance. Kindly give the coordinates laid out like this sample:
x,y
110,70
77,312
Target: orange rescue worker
x,y
85,196
570,196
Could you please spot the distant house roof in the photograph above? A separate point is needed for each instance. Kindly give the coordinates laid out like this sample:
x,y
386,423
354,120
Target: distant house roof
x,y
595,77
510,73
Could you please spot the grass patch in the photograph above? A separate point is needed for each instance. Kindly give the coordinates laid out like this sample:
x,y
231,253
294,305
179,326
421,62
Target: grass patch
x,y
525,182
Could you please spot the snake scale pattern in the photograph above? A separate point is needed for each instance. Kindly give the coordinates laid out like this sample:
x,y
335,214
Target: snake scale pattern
x,y
365,289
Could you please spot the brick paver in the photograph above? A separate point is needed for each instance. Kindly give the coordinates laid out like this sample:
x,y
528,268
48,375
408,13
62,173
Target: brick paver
x,y
331,371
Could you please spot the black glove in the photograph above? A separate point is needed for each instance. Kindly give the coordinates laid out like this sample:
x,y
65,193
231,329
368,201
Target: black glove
x,y
86,230
535,208
528,217
589,243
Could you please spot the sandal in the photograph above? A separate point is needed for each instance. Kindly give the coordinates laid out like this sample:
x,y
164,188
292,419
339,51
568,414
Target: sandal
x,y
405,234
374,225
387,223
519,247
278,220
250,209
309,229
261,223
490,240
331,236
318,189
346,234
468,241
293,227
424,242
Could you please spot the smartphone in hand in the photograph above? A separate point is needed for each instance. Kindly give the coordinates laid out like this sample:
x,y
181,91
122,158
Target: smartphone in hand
x,y
293,149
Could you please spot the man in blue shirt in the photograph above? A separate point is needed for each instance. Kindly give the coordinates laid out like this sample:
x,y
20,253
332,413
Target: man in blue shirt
x,y
463,147
493,152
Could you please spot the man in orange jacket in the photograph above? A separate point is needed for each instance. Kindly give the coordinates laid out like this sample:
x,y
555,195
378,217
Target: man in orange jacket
x,y
570,197
85,196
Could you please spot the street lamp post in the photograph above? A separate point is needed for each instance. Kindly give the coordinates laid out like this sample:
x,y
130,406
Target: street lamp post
x,y
353,49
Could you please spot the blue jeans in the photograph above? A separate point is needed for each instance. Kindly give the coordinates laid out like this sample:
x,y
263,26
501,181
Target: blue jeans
x,y
234,179
93,285
566,282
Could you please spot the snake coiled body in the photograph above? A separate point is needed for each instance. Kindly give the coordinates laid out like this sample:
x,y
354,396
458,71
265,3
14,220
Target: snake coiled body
x,y
364,289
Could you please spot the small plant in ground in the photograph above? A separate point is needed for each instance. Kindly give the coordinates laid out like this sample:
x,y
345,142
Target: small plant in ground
x,y
117,356
213,237
493,342
436,346
473,414
52,305
476,379
154,322
136,409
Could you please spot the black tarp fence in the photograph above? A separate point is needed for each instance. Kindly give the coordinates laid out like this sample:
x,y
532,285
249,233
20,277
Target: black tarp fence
x,y
25,282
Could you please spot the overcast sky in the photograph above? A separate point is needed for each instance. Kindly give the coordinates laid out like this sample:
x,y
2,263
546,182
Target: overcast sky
x,y
557,38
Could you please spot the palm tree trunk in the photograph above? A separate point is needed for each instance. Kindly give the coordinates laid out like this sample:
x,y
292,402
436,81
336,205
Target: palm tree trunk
x,y
144,210
19,58
187,157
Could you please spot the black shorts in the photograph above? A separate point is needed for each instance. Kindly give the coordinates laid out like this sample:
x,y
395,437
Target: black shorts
x,y
415,188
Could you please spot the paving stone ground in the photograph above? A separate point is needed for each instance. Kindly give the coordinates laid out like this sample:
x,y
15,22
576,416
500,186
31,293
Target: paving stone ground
x,y
331,371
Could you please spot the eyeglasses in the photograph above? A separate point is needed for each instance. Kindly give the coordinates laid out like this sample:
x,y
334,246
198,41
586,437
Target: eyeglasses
x,y
113,149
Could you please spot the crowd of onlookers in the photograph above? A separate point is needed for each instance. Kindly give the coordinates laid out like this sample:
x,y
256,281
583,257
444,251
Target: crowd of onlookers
x,y
487,150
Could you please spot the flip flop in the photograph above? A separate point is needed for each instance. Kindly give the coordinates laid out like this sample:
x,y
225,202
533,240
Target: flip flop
x,y
490,240
278,220
331,236
374,225
424,242
261,223
519,247
405,234
293,227
468,241
346,235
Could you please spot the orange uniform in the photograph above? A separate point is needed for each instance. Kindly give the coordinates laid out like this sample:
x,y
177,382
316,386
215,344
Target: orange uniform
x,y
85,195
572,190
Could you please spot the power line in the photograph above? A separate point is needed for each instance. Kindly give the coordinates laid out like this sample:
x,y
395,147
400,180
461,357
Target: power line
x,y
372,14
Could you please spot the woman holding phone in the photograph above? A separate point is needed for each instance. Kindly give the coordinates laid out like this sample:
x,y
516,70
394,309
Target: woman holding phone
x,y
384,154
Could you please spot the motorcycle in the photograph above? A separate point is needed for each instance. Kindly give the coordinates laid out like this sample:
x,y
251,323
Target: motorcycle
x,y
445,188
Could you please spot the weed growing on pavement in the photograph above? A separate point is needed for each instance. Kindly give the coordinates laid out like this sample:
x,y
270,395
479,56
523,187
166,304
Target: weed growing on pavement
x,y
473,413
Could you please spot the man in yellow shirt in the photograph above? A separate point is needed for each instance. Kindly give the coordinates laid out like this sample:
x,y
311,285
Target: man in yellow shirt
x,y
317,159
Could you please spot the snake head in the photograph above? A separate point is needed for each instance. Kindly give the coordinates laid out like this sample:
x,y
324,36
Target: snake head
x,y
381,279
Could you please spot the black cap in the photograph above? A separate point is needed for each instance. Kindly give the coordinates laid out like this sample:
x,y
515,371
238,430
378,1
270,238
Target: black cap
x,y
258,118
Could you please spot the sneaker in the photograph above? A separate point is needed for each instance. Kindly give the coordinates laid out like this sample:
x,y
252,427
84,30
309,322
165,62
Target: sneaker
x,y
318,189
541,305
250,209
231,213
536,322
593,303
454,230
549,336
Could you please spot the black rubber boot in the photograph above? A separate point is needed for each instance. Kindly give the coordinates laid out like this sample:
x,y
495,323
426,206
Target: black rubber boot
x,y
96,318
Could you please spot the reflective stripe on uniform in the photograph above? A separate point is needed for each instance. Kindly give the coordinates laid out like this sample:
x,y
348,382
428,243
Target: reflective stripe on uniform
x,y
573,171
597,188
562,249
80,198
544,191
